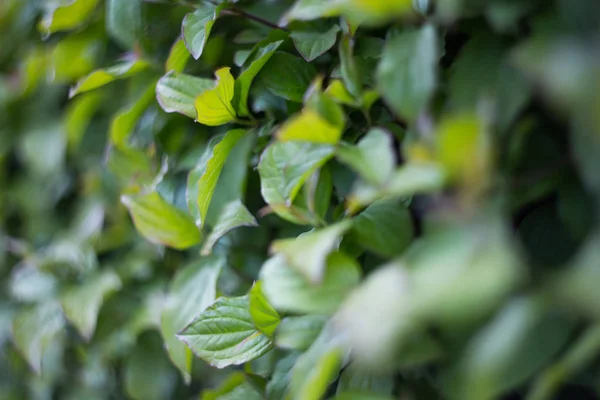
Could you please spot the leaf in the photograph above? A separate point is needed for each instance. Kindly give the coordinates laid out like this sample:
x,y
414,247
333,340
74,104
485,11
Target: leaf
x,y
257,59
236,387
177,92
124,122
407,72
278,384
82,303
63,15
196,27
264,316
354,395
309,126
288,291
384,228
101,77
203,179
193,289
308,252
214,106
178,57
372,158
287,76
374,12
78,117
76,55
298,333
224,334
285,166
233,215
124,21
160,222
351,74
34,329
364,382
337,90
311,9
312,44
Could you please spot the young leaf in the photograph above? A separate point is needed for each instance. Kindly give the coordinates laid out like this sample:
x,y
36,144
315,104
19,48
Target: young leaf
x,y
196,27
192,290
233,215
101,77
63,16
203,179
177,92
124,122
124,21
82,303
264,316
308,252
407,73
312,44
224,334
160,222
288,290
287,76
298,333
309,126
178,57
214,106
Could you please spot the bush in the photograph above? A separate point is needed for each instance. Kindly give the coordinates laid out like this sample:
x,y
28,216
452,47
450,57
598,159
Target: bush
x,y
342,199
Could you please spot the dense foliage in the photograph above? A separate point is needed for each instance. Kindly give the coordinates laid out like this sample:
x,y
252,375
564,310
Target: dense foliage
x,y
269,199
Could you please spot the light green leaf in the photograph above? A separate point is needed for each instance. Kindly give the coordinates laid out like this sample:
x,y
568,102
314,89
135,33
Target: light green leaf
x,y
309,126
101,77
298,333
384,228
81,303
287,290
35,328
203,179
161,222
124,121
260,55
193,289
287,76
337,90
407,72
177,92
233,215
312,44
76,55
214,106
374,12
236,387
196,27
311,9
372,158
264,316
285,166
63,15
178,57
78,116
124,21
224,334
308,252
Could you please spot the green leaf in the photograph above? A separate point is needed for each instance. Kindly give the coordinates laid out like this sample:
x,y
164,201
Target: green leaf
x,y
372,158
160,222
177,92
214,106
309,126
76,55
364,382
34,329
233,215
287,76
357,395
125,120
308,252
257,59
298,333
82,303
285,166
264,316
124,21
280,380
374,12
311,9
64,15
337,90
203,179
196,27
101,77
78,117
385,228
224,334
351,75
312,44
407,72
288,290
236,387
178,58
193,289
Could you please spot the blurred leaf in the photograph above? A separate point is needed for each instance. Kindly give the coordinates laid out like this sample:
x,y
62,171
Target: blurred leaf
x,y
265,318
197,26
233,215
177,92
236,387
63,15
224,334
213,106
78,116
101,77
125,120
287,76
312,44
298,333
160,222
124,21
311,9
351,74
309,127
352,395
76,55
357,381
178,57
277,386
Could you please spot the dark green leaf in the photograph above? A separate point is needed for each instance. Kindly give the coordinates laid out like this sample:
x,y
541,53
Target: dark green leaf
x,y
312,44
124,21
233,215
287,76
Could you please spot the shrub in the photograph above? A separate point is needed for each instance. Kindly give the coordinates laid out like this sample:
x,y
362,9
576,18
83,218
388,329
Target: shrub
x,y
342,199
